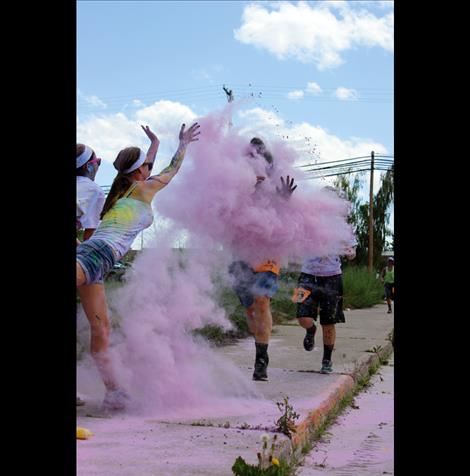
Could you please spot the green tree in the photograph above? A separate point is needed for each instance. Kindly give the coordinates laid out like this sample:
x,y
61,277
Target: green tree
x,y
359,217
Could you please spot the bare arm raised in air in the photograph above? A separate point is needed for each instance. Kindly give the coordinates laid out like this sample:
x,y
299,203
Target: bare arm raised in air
x,y
154,143
156,182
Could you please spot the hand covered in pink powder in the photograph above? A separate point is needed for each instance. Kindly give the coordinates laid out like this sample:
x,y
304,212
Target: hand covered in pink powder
x,y
287,188
151,135
190,135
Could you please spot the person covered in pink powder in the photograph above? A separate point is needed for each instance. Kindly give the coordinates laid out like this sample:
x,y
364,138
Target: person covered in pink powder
x,y
126,212
256,285
320,292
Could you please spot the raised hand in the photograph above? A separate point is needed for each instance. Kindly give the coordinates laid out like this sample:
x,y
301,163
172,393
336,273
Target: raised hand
x,y
190,135
151,135
287,188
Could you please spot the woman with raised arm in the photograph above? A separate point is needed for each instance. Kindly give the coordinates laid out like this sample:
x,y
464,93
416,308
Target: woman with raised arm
x,y
126,212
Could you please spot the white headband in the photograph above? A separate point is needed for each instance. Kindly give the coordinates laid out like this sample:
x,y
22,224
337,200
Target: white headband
x,y
137,163
84,157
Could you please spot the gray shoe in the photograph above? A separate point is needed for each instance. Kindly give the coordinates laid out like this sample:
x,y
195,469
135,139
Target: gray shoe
x,y
326,367
80,402
116,400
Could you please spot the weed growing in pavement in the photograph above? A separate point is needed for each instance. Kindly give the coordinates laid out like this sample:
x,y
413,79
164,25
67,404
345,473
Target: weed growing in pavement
x,y
202,423
268,463
375,350
286,423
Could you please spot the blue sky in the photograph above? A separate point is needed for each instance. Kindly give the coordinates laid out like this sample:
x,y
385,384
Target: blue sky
x,y
165,62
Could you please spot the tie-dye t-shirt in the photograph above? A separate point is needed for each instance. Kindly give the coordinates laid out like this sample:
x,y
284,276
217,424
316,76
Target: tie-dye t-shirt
x,y
120,226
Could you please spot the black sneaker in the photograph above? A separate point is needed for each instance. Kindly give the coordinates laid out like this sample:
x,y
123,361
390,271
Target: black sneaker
x,y
309,340
389,311
261,367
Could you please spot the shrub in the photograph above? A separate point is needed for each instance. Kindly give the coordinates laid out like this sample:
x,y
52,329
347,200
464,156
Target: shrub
x,y
361,288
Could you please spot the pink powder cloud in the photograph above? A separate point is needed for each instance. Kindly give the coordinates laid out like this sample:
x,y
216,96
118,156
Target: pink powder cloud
x,y
214,196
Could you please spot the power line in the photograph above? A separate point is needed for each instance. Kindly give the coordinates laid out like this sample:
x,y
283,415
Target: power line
x,y
340,160
341,173
240,86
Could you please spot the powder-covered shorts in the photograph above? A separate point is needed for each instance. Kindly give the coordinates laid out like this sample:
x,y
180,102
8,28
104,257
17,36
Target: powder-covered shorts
x,y
247,283
96,258
326,298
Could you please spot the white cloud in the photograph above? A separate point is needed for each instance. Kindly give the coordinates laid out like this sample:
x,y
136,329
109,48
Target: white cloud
x,y
94,101
166,117
314,88
345,94
297,94
208,73
203,75
110,133
312,142
313,34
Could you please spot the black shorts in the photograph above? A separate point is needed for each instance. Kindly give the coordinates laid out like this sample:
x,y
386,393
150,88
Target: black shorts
x,y
326,298
389,290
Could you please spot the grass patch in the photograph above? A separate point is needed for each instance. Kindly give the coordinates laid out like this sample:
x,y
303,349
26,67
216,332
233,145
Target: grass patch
x,y
320,431
361,288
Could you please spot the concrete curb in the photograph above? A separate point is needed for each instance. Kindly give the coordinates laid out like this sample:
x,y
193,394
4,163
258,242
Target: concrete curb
x,y
345,385
365,362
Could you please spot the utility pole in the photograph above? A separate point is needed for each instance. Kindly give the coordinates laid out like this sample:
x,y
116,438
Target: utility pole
x,y
371,215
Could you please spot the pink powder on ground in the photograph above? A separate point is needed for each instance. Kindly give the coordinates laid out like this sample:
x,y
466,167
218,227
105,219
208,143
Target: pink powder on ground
x,y
164,367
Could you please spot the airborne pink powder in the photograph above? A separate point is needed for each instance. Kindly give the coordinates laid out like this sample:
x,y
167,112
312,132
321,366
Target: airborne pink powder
x,y
213,197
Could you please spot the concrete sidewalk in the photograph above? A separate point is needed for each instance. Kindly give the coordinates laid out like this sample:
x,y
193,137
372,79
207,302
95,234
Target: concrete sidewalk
x,y
204,445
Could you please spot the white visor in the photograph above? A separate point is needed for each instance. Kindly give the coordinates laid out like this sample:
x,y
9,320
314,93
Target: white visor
x,y
84,157
137,163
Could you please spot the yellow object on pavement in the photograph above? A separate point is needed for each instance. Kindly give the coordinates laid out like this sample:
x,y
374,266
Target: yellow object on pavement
x,y
83,433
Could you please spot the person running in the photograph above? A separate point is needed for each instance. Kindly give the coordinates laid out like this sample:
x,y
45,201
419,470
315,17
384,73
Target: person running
x,y
90,198
256,285
388,280
320,291
126,212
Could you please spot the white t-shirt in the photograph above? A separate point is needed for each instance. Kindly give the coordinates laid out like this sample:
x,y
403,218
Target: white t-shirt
x,y
90,201
327,265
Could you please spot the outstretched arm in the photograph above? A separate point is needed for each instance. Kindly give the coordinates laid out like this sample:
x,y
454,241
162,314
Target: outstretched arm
x,y
157,182
154,143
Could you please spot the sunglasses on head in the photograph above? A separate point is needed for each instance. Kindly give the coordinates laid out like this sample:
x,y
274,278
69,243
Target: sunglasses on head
x,y
97,160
